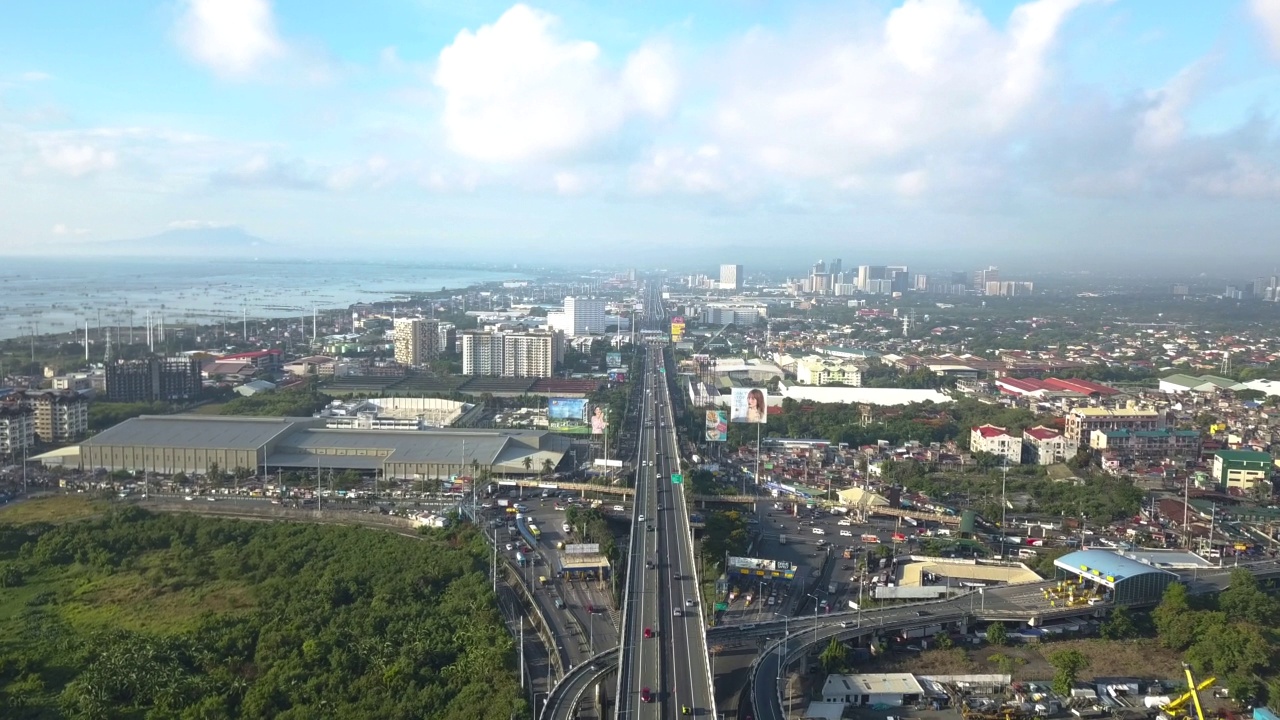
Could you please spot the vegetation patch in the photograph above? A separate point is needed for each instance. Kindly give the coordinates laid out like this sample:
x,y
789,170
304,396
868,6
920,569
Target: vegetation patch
x,y
50,509
137,615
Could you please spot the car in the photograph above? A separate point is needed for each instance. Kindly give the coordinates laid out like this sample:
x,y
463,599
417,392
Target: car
x,y
648,632
848,624
819,531
188,498
645,695
688,602
846,533
677,612
845,523
212,499
510,547
686,710
650,528
921,613
659,507
641,518
619,508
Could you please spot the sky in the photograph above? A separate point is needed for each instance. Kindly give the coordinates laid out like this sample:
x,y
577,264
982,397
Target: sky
x,y
1044,134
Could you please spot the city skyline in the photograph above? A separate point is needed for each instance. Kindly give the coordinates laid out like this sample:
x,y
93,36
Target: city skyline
x,y
1083,133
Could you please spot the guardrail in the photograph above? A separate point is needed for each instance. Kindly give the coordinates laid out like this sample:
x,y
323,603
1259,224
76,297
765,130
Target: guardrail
x,y
598,664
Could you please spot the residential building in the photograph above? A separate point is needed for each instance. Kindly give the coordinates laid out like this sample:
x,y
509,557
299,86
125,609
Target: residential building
x,y
816,371
510,354
156,379
1045,446
17,429
997,441
1081,422
1147,445
1241,469
59,416
73,383
261,359
731,277
417,341
584,316
982,277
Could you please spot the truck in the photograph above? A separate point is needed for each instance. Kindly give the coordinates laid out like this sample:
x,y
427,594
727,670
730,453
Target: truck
x,y
870,538
521,560
833,587
782,539
503,502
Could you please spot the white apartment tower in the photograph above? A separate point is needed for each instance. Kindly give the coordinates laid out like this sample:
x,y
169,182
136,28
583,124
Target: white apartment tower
x,y
417,340
731,277
583,316
497,354
17,429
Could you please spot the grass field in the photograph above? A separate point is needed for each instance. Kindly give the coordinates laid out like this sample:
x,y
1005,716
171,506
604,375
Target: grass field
x,y
51,509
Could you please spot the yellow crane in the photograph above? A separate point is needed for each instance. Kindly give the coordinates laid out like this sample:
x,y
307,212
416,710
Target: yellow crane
x,y
1175,707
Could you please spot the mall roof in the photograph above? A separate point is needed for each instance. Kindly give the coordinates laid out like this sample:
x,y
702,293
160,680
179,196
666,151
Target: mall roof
x,y
1104,566
196,431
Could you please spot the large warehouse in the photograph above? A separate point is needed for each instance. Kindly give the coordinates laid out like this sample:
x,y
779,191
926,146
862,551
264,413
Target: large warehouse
x,y
1127,581
191,443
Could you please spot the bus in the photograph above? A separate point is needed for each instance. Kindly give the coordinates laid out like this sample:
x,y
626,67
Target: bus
x,y
870,538
534,531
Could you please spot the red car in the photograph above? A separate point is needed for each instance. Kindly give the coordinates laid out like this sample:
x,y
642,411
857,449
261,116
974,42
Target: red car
x,y
648,632
645,695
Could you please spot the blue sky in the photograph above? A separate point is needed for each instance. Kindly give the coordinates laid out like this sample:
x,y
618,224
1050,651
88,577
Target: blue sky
x,y
1075,132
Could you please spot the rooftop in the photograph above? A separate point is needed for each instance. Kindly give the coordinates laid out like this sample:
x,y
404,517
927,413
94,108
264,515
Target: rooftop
x,y
197,431
1243,456
1104,565
872,684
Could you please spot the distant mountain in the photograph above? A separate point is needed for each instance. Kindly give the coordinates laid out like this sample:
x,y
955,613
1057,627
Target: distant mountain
x,y
184,242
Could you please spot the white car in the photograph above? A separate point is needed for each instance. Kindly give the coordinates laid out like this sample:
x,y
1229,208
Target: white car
x,y
846,533
619,508
641,518
819,531
510,547
845,523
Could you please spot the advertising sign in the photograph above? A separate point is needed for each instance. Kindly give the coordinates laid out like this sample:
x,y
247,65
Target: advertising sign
x,y
582,549
717,426
677,328
748,405
618,376
568,415
613,359
599,421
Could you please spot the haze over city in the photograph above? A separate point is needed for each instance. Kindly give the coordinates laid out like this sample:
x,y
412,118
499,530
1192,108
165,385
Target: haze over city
x,y
1087,133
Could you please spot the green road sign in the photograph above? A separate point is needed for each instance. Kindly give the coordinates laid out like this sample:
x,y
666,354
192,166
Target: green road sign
x,y
662,370
721,607
676,478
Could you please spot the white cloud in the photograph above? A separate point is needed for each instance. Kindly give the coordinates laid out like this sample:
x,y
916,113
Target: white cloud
x,y
516,91
568,183
1268,14
234,38
76,159
35,76
1163,123
198,224
64,229
936,77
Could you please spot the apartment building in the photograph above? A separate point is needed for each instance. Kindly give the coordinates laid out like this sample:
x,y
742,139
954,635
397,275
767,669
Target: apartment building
x,y
584,316
1081,422
1045,446
417,340
59,416
731,277
17,429
156,379
997,441
813,371
511,354
1241,469
1147,445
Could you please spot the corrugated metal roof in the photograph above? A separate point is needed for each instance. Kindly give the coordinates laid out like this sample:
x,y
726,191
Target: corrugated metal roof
x,y
1103,564
196,431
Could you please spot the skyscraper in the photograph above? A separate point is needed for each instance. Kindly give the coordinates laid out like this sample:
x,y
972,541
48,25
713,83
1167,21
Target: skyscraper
x,y
498,354
417,341
731,277
583,316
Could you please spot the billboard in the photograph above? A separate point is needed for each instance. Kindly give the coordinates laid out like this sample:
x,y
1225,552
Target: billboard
x,y
613,360
618,376
568,415
749,405
717,426
599,421
677,328
762,568
582,549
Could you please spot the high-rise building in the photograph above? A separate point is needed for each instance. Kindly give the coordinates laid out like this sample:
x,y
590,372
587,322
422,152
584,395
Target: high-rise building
x,y
867,274
897,277
583,316
511,354
982,277
17,429
59,416
836,267
731,277
155,379
417,341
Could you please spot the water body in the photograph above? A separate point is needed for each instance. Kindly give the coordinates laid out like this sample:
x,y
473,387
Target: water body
x,y
58,296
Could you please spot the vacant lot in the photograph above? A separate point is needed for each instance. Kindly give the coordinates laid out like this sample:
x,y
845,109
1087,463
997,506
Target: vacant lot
x,y
1144,657
50,509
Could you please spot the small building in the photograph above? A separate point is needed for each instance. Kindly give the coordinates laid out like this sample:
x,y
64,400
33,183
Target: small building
x,y
885,689
997,441
1241,468
1127,581
1045,446
819,371
819,710
254,387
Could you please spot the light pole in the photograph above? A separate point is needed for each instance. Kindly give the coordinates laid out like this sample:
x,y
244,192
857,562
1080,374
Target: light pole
x,y
786,630
815,621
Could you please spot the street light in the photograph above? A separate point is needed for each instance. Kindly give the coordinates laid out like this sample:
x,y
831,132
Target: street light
x,y
815,620
786,630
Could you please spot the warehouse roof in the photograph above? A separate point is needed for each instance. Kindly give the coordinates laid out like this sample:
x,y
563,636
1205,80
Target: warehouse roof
x,y
197,431
1105,566
403,446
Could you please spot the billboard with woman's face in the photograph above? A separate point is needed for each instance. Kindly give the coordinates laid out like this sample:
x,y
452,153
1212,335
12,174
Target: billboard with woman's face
x,y
748,405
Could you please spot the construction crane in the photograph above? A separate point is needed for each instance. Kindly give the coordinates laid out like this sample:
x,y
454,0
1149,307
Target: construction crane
x,y
1175,708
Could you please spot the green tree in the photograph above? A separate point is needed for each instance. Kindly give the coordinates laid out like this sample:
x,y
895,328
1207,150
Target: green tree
x,y
1244,600
997,634
1067,665
835,658
1176,623
1119,626
528,463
